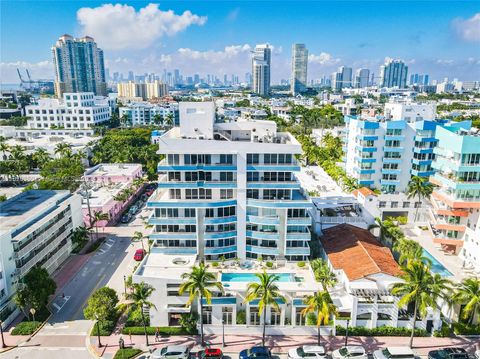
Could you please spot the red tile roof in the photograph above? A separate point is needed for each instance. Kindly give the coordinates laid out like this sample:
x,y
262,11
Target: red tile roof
x,y
365,191
357,252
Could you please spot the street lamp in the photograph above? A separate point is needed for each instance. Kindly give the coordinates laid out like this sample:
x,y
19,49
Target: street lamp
x,y
346,332
223,332
33,311
1,334
125,285
98,330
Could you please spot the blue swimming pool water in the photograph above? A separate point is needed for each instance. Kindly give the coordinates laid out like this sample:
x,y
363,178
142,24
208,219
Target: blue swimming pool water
x,y
437,267
251,277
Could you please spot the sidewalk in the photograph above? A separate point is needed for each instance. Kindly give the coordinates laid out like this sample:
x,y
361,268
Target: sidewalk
x,y
281,344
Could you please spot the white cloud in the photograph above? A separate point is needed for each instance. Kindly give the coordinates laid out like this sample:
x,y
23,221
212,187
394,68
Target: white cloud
x,y
38,70
324,58
468,29
232,15
118,27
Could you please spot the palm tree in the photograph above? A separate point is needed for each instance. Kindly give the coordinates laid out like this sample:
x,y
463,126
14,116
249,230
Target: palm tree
x,y
168,120
139,296
157,119
321,304
389,231
124,120
97,217
468,293
199,284
4,148
408,250
63,149
323,273
41,157
267,293
138,236
422,288
420,188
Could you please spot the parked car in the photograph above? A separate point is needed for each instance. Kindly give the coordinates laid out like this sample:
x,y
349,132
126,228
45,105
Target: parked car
x,y
256,352
126,218
210,353
394,353
133,210
477,354
149,192
308,351
139,254
350,351
172,352
448,353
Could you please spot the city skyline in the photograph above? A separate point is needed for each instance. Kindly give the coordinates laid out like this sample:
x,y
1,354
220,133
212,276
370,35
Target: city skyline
x,y
202,38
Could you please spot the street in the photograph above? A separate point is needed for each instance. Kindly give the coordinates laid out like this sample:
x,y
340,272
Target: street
x,y
66,333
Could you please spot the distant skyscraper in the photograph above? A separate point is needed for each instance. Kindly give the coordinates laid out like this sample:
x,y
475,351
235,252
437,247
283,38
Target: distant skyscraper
x,y
107,75
342,78
419,80
393,74
176,77
79,66
131,76
362,77
261,69
298,82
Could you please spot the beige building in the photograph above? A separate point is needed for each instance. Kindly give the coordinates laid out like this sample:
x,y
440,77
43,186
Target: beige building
x,y
140,91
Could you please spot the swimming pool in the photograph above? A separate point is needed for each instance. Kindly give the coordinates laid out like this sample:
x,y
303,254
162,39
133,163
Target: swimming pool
x,y
251,277
437,267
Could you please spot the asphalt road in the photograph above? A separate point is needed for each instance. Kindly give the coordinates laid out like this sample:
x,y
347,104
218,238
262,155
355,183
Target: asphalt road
x,y
66,333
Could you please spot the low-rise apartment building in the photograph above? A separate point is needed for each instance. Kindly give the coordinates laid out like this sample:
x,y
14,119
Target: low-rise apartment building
x,y
105,184
81,110
144,113
36,229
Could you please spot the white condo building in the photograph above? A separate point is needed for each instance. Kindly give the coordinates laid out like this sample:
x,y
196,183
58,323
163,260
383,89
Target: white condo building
x,y
261,69
144,113
81,110
36,230
298,83
229,189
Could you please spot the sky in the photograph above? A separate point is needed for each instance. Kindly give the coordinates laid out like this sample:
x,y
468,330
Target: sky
x,y
441,38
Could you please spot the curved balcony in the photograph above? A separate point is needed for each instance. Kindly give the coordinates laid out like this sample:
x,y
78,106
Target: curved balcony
x,y
297,251
274,167
268,251
275,185
220,220
173,235
263,220
299,236
220,250
220,235
263,235
197,184
172,220
299,221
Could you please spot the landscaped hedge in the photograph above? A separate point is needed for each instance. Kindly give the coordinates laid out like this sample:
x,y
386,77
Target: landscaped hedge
x,y
163,331
465,329
126,353
26,328
380,331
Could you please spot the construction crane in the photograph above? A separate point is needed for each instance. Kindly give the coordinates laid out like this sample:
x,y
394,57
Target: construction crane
x,y
34,85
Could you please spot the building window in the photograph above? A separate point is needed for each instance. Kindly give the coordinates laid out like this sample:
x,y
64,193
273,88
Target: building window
x,y
394,204
406,204
382,204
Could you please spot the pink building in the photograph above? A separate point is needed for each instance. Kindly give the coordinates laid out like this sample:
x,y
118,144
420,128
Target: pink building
x,y
107,182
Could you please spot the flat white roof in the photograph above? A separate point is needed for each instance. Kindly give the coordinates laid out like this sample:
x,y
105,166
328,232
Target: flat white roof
x,y
113,169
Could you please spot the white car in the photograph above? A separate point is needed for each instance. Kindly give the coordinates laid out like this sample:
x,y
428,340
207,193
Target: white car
x,y
477,354
308,351
394,353
350,351
171,352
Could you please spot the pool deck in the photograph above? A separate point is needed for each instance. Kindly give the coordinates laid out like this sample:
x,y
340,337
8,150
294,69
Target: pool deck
x,y
451,262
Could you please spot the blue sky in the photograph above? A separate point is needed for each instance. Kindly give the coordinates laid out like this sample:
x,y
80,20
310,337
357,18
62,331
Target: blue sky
x,y
438,37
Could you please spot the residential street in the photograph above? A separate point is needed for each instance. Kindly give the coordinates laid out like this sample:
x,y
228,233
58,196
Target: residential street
x,y
66,333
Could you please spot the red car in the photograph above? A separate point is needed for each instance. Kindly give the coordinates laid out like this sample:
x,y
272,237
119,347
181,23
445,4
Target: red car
x,y
139,254
210,353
